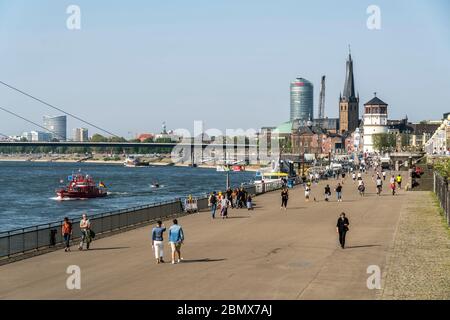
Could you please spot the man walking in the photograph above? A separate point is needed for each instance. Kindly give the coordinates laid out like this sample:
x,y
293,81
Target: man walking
x,y
176,238
399,181
342,228
213,204
284,198
157,241
85,226
327,193
339,192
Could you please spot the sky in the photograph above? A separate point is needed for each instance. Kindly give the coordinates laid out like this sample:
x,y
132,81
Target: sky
x,y
135,64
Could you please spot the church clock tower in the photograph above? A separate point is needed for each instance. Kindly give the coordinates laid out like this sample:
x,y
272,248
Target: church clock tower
x,y
349,102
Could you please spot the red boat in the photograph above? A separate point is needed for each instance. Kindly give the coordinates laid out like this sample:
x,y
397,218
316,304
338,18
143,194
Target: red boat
x,y
82,187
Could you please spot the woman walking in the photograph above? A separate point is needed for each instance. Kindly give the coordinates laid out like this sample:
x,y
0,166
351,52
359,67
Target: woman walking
x,y
392,184
66,231
284,198
361,189
249,203
339,192
307,193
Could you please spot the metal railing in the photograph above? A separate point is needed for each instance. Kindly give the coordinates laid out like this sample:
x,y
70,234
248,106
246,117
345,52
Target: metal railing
x,y
49,235
440,188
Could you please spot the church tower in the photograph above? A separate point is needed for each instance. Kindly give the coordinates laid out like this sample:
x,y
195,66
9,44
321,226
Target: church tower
x,y
349,102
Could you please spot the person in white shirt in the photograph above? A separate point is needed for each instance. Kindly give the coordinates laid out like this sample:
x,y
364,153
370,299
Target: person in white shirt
x,y
85,226
379,183
224,204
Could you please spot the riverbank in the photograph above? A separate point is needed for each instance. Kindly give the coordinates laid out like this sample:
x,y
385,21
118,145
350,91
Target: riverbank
x,y
259,254
161,162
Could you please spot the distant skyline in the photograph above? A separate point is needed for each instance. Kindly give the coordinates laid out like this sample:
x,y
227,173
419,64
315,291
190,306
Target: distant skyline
x,y
136,64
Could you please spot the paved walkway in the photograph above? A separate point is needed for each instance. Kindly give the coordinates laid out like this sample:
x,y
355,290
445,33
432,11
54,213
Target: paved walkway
x,y
265,254
419,262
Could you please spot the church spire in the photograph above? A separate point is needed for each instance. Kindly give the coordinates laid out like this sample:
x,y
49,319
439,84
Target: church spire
x,y
349,87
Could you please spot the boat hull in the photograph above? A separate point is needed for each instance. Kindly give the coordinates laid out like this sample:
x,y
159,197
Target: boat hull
x,y
80,195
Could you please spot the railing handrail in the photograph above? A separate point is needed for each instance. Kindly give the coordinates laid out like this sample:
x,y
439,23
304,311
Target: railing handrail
x,y
27,229
94,216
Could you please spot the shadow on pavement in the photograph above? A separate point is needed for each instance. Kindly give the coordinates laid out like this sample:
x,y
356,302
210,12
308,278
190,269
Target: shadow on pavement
x,y
364,246
112,248
201,260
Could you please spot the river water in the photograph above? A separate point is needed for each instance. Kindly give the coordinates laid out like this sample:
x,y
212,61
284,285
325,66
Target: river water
x,y
27,189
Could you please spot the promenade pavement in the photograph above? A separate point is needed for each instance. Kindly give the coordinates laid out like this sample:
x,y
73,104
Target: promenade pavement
x,y
262,254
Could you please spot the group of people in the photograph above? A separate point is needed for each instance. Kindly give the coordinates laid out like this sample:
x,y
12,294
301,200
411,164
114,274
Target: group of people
x,y
176,239
87,234
394,182
237,199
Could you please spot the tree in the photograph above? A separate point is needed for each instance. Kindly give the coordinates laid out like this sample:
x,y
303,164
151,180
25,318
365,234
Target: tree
x,y
163,140
443,167
383,141
98,138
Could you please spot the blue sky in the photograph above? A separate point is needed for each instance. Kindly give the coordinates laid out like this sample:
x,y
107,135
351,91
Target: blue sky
x,y
135,64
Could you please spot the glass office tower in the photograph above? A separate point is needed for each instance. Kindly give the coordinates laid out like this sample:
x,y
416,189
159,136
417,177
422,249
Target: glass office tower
x,y
302,100
57,126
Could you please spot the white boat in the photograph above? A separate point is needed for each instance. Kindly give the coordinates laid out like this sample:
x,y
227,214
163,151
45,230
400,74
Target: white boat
x,y
132,161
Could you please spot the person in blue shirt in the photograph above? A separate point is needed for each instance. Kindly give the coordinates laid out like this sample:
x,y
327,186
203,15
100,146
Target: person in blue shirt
x,y
176,238
157,241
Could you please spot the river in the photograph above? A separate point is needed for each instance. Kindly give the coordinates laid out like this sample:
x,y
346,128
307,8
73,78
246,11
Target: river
x,y
27,189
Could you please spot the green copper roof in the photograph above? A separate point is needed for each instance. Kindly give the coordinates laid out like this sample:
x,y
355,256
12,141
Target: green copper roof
x,y
284,128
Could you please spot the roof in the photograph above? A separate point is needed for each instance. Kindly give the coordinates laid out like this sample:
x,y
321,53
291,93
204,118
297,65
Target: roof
x,y
310,130
376,102
349,86
284,128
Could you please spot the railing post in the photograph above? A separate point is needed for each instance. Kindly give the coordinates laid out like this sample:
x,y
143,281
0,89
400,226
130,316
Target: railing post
x,y
23,240
9,244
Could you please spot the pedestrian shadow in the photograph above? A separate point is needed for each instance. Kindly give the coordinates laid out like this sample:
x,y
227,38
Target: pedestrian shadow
x,y
296,208
363,246
201,260
111,248
238,217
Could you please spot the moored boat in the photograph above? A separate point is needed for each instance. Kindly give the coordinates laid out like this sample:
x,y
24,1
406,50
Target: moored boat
x,y
132,161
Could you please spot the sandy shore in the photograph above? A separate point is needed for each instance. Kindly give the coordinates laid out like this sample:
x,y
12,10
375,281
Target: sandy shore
x,y
117,162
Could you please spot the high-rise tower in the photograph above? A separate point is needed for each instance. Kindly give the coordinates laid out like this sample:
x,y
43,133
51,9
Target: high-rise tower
x,y
301,100
348,101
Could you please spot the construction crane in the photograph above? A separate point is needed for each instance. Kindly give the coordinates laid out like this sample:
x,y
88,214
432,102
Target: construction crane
x,y
322,99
